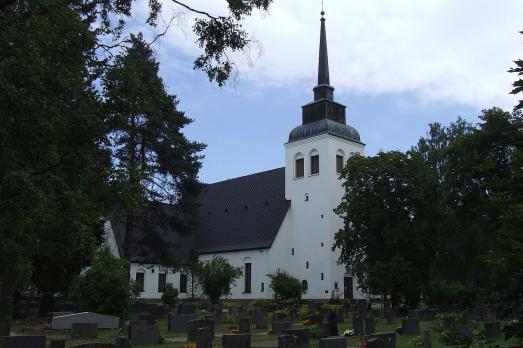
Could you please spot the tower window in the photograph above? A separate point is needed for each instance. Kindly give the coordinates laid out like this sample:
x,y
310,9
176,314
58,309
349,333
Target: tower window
x,y
339,163
307,264
262,287
162,277
292,251
322,276
304,285
183,283
315,164
247,288
299,166
140,280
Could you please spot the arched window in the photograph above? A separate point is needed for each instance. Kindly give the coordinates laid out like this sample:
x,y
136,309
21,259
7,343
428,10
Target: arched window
x,y
299,165
140,279
304,285
340,161
315,162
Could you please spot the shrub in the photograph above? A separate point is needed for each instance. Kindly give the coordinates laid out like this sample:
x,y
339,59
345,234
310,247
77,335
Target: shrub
x,y
170,296
285,286
304,312
216,278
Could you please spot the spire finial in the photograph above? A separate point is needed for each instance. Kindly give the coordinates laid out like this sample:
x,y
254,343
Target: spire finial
x,y
323,68
322,11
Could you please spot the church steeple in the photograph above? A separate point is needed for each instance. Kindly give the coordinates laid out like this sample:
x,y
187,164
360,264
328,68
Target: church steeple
x,y
323,89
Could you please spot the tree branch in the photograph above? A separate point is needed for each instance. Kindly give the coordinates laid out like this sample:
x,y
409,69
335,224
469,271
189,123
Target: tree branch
x,y
191,9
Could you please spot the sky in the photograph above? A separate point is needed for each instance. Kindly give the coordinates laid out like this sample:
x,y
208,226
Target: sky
x,y
398,65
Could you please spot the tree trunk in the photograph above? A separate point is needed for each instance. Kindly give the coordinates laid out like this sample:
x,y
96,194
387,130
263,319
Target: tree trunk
x,y
7,293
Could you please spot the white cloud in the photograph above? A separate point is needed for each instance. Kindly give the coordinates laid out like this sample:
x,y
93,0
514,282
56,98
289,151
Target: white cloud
x,y
443,51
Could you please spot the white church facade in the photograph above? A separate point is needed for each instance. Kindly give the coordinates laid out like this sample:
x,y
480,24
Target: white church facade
x,y
278,219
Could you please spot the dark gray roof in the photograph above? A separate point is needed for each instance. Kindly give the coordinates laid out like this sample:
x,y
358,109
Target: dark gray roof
x,y
242,213
324,126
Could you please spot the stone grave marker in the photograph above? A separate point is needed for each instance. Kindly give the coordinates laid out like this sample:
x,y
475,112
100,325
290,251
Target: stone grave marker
x,y
236,341
363,308
369,325
178,322
428,314
387,339
387,307
57,343
244,325
413,313
204,338
261,320
186,308
144,333
375,343
84,330
333,342
24,341
358,325
64,322
279,328
194,325
301,336
492,329
410,326
122,342
331,325
427,339
286,341
340,315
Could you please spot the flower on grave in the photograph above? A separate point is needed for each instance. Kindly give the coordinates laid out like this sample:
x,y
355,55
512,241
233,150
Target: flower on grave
x,y
348,333
269,331
234,332
306,322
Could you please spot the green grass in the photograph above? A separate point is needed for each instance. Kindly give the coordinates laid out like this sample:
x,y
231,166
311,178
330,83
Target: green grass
x,y
259,336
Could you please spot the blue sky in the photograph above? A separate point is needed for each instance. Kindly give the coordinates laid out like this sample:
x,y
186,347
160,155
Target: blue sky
x,y
398,66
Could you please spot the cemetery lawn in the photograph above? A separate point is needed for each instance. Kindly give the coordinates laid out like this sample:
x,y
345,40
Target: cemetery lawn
x,y
260,338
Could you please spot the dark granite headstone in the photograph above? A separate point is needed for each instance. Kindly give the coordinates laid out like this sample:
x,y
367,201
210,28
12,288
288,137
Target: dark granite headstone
x,y
24,342
331,328
358,325
363,308
57,343
178,322
340,315
84,330
375,343
204,338
236,341
145,334
301,335
387,307
428,314
286,341
369,325
186,308
410,326
388,338
194,325
279,328
261,320
122,342
244,325
427,339
492,329
333,342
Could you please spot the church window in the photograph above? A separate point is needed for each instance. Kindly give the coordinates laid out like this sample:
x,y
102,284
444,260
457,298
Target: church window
x,y
315,162
247,278
304,285
140,280
292,251
335,285
162,278
306,197
322,276
339,161
262,287
299,166
183,283
307,264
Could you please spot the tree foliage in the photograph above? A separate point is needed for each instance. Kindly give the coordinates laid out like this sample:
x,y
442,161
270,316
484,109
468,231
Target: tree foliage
x,y
170,296
104,287
216,278
285,286
518,84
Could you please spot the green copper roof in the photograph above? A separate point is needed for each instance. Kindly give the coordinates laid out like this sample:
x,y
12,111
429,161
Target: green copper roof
x,y
324,126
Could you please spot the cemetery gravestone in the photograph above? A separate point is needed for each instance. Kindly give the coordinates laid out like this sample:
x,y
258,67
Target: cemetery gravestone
x,y
286,341
84,330
388,339
194,325
122,342
244,325
301,336
340,315
186,308
178,322
363,308
24,341
427,339
492,329
414,313
375,343
333,342
261,320
279,328
410,326
204,339
358,325
56,343
331,329
144,333
387,307
236,341
428,314
369,325
64,322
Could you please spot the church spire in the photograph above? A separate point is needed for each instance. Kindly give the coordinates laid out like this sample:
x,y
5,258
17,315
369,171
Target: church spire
x,y
323,66
323,90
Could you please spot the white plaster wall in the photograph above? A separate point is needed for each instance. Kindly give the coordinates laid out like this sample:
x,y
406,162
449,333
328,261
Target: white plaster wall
x,y
110,239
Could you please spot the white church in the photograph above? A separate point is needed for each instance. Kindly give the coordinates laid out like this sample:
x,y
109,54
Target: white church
x,y
281,218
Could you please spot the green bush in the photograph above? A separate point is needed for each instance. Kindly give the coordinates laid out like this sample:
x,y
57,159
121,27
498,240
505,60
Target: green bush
x,y
216,278
170,296
285,286
304,313
104,287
